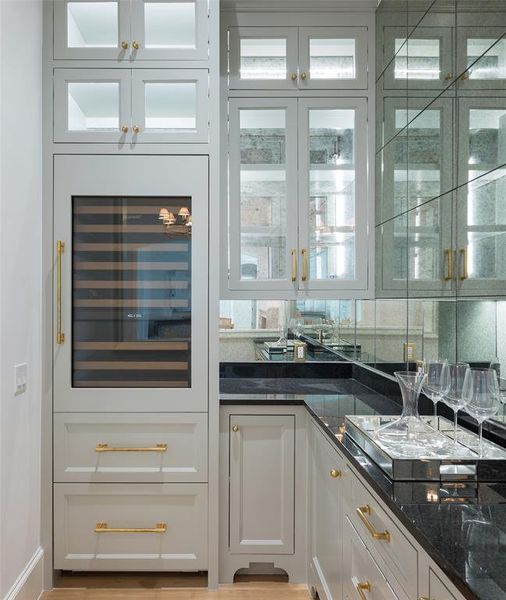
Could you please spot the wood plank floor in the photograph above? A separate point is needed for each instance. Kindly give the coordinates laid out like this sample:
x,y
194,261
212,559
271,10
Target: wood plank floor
x,y
237,591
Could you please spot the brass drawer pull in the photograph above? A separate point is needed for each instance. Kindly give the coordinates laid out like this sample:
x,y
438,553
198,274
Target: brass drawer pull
x,y
102,527
335,473
107,448
60,249
361,588
363,512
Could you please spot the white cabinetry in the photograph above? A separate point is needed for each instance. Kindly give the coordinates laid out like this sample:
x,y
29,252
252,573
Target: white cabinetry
x,y
263,455
131,106
131,30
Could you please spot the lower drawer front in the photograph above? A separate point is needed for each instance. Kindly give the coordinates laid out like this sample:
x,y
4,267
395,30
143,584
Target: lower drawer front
x,y
383,537
162,527
112,447
362,576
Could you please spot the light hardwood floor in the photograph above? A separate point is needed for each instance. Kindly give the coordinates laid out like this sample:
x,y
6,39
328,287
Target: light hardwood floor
x,y
237,591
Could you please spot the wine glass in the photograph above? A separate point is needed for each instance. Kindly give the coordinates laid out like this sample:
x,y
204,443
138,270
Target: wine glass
x,y
482,396
437,381
453,398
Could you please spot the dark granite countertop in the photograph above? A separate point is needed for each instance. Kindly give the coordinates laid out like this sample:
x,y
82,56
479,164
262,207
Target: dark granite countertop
x,y
467,540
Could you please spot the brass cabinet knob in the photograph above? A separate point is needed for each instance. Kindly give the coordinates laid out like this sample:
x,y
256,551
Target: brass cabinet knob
x,y
464,76
124,129
303,76
294,76
235,428
124,45
136,45
448,76
136,129
335,473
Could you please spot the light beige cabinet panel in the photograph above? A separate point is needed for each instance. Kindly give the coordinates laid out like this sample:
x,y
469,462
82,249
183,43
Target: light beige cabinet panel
x,y
326,516
364,578
438,590
262,480
115,447
130,527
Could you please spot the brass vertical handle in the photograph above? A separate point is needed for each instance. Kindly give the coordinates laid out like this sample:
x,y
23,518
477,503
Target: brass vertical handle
x,y
463,261
60,249
449,264
293,254
304,264
361,588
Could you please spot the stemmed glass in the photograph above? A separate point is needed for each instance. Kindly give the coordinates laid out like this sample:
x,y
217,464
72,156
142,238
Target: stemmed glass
x,y
437,381
482,396
453,398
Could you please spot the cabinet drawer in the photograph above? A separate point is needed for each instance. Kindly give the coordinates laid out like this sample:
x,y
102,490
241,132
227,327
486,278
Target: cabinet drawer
x,y
113,447
172,519
363,578
382,536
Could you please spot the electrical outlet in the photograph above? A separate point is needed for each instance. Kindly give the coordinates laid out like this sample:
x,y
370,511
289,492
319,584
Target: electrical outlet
x,y
409,352
20,378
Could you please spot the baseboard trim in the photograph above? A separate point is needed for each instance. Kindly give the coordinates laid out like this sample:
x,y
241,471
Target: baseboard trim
x,y
29,584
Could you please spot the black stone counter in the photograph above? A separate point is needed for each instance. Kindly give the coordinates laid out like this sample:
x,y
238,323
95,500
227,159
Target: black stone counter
x,y
467,540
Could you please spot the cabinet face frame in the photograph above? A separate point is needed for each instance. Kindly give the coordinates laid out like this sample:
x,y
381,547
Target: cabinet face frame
x,y
445,37
284,425
121,175
199,77
236,34
62,77
359,34
465,33
234,212
199,52
359,105
61,48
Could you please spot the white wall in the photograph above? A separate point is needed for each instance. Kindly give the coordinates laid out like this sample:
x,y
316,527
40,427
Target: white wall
x,y
20,283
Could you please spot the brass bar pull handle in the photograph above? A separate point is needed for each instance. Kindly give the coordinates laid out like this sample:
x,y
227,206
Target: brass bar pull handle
x,y
60,249
293,254
304,264
102,527
107,448
361,588
363,512
449,264
463,255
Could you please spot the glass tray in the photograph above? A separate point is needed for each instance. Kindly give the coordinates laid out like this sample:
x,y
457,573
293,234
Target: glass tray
x,y
440,461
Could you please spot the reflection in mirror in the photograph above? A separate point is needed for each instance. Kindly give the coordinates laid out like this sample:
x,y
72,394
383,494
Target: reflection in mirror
x,y
417,58
487,58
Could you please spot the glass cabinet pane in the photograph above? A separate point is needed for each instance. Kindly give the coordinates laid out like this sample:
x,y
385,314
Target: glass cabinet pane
x,y
93,105
331,194
263,198
263,58
131,264
417,58
486,58
487,139
92,24
169,25
170,105
332,58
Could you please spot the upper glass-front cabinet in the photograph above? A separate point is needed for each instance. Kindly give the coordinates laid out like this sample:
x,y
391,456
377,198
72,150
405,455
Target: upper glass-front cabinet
x,y
298,57
130,283
482,57
423,61
130,105
130,29
298,209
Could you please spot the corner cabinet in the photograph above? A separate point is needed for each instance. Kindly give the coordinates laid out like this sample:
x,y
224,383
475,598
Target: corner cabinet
x,y
131,30
130,283
298,195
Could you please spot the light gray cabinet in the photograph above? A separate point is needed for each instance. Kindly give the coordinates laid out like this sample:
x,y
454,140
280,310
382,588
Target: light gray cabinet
x,y
262,479
130,30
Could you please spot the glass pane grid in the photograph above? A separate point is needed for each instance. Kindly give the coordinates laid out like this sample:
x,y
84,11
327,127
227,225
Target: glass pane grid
x,y
131,292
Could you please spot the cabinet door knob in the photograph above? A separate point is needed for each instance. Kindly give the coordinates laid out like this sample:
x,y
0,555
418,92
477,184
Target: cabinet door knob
x,y
448,76
124,45
303,76
235,428
124,129
335,473
294,76
136,129
464,76
136,45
